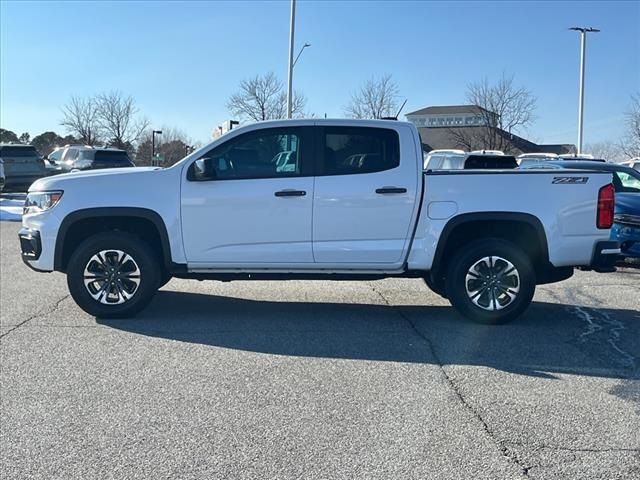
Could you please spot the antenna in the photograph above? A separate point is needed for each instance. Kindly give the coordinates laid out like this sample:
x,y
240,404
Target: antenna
x,y
401,107
397,114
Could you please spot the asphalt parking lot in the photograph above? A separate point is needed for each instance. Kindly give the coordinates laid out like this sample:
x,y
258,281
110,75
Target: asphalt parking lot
x,y
291,380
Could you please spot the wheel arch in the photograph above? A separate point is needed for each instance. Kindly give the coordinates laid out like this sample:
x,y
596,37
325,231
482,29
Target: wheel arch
x,y
514,226
81,224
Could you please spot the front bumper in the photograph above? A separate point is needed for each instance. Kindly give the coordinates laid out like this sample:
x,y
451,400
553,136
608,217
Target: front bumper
x,y
629,237
605,255
31,246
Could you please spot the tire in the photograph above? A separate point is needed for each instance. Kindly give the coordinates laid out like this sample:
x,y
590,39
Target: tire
x,y
478,288
165,278
435,287
131,260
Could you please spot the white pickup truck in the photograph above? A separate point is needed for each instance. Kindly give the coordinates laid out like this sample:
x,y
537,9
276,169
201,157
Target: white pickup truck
x,y
318,199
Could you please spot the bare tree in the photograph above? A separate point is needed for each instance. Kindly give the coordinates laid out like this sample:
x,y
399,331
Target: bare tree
x,y
263,98
630,143
172,145
118,119
607,150
504,109
80,117
377,98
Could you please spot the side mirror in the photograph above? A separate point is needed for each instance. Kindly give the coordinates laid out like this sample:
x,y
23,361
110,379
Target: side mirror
x,y
202,170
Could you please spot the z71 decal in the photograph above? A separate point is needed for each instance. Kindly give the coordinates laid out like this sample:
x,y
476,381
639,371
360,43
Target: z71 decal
x,y
572,180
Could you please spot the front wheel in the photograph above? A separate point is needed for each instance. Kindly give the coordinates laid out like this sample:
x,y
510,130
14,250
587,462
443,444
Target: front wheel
x,y
490,281
113,275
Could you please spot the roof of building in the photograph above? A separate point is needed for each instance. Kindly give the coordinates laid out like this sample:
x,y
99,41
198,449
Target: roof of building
x,y
448,109
558,148
439,138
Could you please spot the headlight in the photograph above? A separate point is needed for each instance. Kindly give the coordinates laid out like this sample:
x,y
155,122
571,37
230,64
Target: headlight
x,y
40,201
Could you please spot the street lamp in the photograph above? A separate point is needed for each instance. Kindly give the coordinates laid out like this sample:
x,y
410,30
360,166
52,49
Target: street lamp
x,y
300,53
292,26
583,45
153,144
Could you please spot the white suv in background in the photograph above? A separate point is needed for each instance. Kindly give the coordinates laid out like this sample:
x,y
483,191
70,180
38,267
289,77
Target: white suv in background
x,y
527,159
633,163
444,159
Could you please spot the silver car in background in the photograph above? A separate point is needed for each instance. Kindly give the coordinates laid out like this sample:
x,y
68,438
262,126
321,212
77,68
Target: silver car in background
x,y
23,165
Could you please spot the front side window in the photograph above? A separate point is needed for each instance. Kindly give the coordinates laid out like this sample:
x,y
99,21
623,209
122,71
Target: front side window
x,y
261,154
352,150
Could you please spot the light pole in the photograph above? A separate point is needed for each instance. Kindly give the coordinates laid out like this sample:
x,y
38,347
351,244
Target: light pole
x,y
292,27
153,144
583,45
300,53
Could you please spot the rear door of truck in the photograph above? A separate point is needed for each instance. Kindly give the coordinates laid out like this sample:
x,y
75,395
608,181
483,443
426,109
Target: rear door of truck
x,y
367,189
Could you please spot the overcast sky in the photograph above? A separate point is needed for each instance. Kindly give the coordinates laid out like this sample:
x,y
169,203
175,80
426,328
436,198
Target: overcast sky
x,y
182,60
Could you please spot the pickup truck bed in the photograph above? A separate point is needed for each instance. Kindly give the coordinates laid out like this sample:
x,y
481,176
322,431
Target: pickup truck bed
x,y
340,199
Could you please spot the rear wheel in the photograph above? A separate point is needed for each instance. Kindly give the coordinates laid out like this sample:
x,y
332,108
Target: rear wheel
x,y
113,275
490,281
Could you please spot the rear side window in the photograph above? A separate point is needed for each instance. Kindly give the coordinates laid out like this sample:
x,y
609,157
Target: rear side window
x,y
491,162
9,151
353,150
105,156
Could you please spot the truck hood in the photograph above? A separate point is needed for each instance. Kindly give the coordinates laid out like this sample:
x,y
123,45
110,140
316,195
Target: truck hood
x,y
60,182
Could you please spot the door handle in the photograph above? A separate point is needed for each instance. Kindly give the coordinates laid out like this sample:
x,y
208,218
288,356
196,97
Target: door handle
x,y
384,190
290,193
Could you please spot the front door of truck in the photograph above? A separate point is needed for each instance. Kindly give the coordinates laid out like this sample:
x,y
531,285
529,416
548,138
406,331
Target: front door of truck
x,y
247,203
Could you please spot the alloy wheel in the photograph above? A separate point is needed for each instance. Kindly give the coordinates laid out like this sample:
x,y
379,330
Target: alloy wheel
x,y
111,277
492,283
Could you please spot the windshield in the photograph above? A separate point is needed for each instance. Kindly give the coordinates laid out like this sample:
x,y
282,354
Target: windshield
x,y
9,151
629,182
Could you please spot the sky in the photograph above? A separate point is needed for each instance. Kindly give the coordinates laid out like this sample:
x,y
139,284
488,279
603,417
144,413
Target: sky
x,y
182,60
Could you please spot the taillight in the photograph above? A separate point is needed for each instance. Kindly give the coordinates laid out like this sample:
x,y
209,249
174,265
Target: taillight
x,y
606,201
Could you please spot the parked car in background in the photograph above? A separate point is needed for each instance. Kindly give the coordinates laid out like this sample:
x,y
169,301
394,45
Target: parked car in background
x,y
459,160
489,160
580,156
633,163
1,175
533,158
626,181
23,165
487,152
444,159
91,158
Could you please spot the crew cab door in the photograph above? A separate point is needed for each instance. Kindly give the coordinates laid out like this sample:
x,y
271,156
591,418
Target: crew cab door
x,y
366,194
248,201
